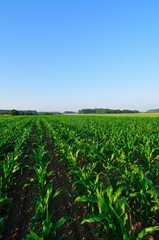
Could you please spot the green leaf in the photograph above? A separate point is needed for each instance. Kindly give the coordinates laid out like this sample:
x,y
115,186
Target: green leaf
x,y
61,222
47,227
57,192
85,198
118,193
4,201
94,218
109,191
33,235
1,222
133,194
147,231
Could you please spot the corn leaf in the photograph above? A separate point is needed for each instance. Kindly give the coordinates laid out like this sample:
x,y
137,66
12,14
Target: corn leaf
x,y
147,231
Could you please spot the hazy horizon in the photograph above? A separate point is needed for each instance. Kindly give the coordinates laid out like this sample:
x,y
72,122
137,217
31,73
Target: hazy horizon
x,y
72,111
70,55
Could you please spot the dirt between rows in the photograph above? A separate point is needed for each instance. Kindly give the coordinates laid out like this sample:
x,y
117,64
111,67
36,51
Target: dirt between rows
x,y
73,230
65,202
18,216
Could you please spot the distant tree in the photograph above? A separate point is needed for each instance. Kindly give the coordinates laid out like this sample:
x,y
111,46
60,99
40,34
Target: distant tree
x,y
105,111
14,112
26,113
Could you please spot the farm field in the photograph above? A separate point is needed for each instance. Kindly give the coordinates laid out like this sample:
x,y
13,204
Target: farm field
x,y
79,177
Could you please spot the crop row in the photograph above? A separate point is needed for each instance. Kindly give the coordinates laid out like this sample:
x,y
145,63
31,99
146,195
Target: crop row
x,y
114,166
27,158
14,139
112,163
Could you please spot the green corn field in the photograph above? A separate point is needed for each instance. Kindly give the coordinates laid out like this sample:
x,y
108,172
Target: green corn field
x,y
79,177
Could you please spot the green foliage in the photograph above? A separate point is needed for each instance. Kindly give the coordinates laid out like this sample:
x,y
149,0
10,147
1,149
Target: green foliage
x,y
14,112
112,164
43,216
105,111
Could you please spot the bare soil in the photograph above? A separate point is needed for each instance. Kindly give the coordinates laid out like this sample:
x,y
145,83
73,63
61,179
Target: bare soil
x,y
18,217
19,214
65,202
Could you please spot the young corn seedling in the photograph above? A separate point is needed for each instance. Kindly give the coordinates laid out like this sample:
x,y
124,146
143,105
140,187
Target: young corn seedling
x,y
140,192
85,177
43,215
112,213
9,167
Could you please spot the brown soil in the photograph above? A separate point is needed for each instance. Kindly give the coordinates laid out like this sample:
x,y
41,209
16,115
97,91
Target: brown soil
x,y
17,218
65,202
18,215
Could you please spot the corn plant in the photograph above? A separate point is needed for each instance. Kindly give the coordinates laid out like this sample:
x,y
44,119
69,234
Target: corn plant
x,y
10,163
112,213
140,192
42,225
126,152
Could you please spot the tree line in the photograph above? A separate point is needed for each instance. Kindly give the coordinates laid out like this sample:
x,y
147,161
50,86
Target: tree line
x,y
105,111
15,112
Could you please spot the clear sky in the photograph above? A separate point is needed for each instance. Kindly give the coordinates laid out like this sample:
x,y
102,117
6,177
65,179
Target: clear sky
x,y
61,55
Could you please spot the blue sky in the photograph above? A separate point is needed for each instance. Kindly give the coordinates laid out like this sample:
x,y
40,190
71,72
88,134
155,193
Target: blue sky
x,y
61,55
